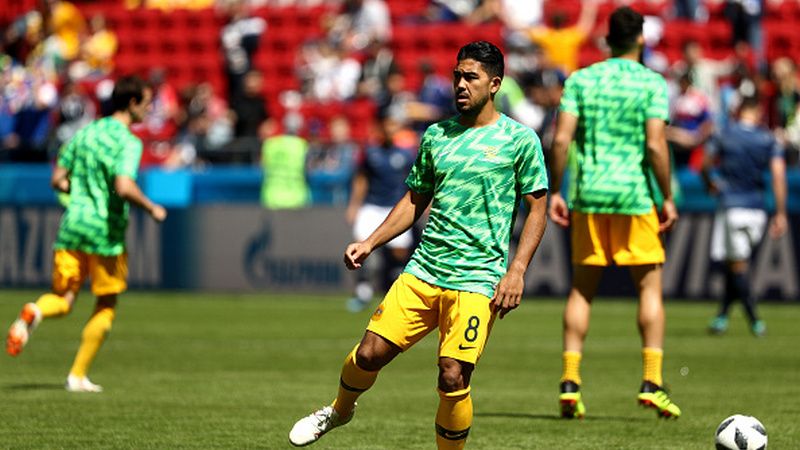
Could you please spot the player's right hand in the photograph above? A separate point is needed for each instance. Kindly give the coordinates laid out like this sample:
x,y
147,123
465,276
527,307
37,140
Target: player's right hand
x,y
558,210
158,213
355,254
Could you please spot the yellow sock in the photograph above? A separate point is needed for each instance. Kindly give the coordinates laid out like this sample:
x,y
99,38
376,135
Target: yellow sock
x,y
571,367
94,333
453,419
52,305
652,359
352,383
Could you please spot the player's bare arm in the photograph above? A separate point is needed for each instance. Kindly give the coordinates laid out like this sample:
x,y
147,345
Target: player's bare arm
x,y
779,222
60,179
129,190
658,155
565,130
508,293
358,193
404,214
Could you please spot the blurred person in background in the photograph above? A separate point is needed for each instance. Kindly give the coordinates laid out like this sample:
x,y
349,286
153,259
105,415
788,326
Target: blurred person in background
x,y
561,42
359,23
75,110
160,127
786,105
251,119
208,127
378,185
691,124
434,100
98,169
283,158
743,153
330,165
240,38
100,48
745,19
378,64
616,112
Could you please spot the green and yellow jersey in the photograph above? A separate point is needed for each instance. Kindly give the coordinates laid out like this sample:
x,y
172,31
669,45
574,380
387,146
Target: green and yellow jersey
x,y
613,100
96,217
476,177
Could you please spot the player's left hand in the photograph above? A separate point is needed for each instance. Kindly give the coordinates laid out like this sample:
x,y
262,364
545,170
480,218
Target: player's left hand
x,y
669,215
508,293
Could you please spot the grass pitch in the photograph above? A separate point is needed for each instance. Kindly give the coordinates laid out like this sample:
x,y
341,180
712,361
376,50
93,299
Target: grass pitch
x,y
187,370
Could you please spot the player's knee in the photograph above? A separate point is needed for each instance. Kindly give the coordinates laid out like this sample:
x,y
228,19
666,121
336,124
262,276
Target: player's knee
x,y
370,358
452,375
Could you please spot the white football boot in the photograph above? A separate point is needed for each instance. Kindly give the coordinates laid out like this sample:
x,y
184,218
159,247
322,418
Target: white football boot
x,y
81,384
309,429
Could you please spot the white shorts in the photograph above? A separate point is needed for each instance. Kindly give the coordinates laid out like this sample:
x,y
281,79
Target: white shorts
x,y
736,232
369,217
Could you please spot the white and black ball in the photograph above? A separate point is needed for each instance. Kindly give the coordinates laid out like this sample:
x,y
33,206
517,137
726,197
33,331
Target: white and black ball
x,y
740,432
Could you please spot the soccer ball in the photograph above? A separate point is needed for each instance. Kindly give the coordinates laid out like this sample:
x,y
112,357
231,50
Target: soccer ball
x,y
739,432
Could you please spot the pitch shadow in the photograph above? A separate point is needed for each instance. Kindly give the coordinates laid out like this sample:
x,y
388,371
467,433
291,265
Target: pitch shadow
x,y
34,387
555,417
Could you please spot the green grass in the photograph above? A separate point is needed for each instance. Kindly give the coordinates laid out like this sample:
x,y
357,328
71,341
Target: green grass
x,y
186,370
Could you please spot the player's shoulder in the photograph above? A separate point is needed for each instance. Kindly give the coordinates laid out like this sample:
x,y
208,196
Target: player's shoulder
x,y
516,129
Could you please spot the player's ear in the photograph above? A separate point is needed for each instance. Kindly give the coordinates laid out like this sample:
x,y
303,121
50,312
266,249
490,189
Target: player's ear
x,y
495,84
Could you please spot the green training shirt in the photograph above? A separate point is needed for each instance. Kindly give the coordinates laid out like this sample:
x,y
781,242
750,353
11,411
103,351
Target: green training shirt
x,y
96,217
476,177
613,100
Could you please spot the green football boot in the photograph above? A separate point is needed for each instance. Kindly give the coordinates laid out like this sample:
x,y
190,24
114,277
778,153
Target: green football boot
x,y
654,396
570,400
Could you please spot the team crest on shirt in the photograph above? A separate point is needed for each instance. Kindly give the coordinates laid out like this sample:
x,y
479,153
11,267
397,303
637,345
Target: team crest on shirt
x,y
378,312
490,152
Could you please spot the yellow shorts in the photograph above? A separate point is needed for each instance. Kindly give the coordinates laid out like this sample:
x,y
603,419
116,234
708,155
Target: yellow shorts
x,y
412,308
108,273
600,239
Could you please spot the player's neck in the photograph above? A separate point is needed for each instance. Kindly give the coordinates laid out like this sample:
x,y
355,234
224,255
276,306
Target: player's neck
x,y
122,116
487,116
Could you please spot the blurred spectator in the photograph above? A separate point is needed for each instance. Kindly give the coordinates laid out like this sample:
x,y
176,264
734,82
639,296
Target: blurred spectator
x,y
516,15
251,114
453,10
544,88
28,99
398,101
160,125
745,18
691,124
377,66
100,48
330,165
434,101
283,159
786,105
67,26
359,23
332,75
691,10
705,72
511,99
562,43
208,127
239,40
75,110
377,186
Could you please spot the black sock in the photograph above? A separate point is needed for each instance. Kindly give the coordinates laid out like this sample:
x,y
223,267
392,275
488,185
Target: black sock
x,y
743,286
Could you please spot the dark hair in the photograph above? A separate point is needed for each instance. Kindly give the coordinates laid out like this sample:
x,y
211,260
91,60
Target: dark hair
x,y
486,53
750,102
126,89
624,27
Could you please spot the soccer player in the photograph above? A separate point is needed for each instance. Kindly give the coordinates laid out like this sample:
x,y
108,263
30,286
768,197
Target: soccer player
x,y
744,152
98,168
377,187
616,112
473,169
